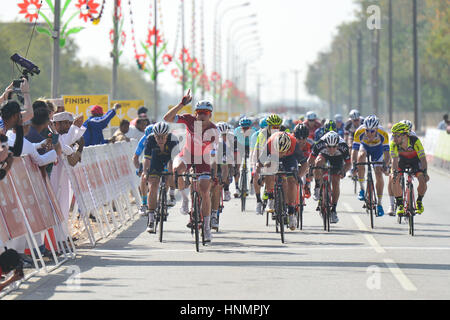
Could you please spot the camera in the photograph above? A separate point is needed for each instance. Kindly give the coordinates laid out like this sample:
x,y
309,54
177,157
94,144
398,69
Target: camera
x,y
30,67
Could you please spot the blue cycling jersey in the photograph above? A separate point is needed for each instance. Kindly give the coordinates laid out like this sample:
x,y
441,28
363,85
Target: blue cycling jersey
x,y
241,137
141,145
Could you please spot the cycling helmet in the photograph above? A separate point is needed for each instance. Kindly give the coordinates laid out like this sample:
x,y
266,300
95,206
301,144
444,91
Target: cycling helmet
x,y
332,139
330,125
354,114
371,122
338,117
263,123
301,131
245,122
274,120
149,130
161,128
204,105
222,127
283,142
408,123
311,115
400,128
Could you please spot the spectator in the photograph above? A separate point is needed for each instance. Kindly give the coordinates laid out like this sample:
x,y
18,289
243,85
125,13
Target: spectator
x,y
70,132
96,123
444,123
9,261
46,157
39,123
142,113
26,115
120,134
139,131
11,118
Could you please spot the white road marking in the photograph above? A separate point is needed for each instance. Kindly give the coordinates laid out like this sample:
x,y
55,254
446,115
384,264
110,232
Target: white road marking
x,y
374,243
393,267
400,276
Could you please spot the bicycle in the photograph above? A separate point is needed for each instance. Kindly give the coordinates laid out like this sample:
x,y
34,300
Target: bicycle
x,y
370,199
300,205
281,216
243,184
408,197
196,222
161,207
324,205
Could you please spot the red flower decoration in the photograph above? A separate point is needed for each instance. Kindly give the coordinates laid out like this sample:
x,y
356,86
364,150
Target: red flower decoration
x,y
123,38
167,58
151,35
31,13
194,67
215,76
185,56
175,73
87,9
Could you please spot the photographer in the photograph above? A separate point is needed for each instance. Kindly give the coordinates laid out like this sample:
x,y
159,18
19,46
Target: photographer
x,y
27,114
9,261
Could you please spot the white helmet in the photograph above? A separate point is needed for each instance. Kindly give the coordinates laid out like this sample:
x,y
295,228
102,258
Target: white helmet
x,y
282,142
371,122
354,114
161,128
222,127
408,123
332,139
311,115
338,117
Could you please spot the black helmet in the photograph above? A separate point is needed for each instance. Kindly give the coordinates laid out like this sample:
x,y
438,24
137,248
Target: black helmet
x,y
301,131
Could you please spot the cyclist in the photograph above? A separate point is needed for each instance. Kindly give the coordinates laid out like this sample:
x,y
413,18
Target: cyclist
x,y
223,169
158,153
371,139
283,147
201,139
242,136
390,186
143,210
339,124
273,125
312,123
407,152
329,125
332,148
351,126
301,133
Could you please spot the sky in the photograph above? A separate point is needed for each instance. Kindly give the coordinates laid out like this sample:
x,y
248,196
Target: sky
x,y
291,33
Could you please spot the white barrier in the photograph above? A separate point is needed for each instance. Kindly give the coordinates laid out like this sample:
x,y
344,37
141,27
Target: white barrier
x,y
102,181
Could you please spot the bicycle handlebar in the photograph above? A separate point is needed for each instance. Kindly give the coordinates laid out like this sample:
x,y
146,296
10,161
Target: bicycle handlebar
x,y
368,163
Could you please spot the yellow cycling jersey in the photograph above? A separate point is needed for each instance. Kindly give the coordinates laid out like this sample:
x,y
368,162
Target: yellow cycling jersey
x,y
381,139
413,150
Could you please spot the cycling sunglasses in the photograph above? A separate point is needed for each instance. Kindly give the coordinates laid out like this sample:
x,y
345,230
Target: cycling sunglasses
x,y
275,127
371,131
207,112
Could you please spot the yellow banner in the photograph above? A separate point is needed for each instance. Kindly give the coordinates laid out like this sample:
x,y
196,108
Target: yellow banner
x,y
80,104
185,109
220,116
128,111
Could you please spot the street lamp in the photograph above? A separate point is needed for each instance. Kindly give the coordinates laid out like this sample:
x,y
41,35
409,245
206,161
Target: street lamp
x,y
217,38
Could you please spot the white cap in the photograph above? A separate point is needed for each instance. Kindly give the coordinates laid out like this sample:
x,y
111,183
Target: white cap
x,y
63,116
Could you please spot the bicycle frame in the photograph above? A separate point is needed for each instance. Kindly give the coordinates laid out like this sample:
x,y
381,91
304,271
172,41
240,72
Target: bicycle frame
x,y
324,206
408,197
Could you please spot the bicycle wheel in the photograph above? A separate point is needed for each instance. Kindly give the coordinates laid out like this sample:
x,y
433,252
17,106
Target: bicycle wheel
x,y
411,211
280,212
300,207
327,206
324,205
163,213
195,218
243,189
370,203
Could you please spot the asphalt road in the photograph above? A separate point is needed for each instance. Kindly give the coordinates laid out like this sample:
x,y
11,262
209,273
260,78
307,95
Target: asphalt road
x,y
247,260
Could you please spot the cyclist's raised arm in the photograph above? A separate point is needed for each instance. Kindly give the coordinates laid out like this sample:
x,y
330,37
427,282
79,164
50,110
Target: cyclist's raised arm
x,y
171,114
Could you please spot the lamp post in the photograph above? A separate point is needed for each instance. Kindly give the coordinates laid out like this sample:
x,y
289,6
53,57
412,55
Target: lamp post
x,y
218,41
